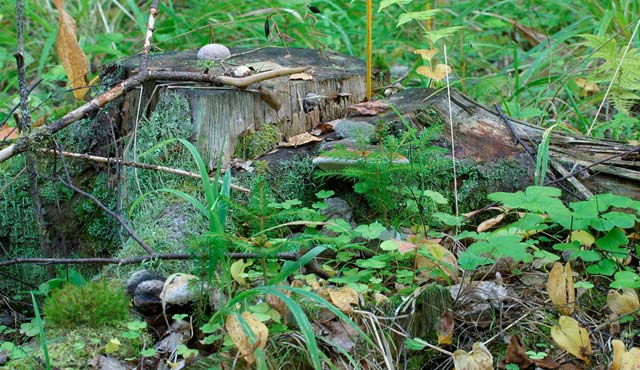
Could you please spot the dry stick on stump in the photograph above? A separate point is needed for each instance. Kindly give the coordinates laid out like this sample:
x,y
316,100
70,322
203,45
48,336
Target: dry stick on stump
x,y
119,89
147,166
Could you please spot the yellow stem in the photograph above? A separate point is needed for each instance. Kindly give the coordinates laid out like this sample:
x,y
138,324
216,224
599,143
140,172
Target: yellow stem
x,y
369,48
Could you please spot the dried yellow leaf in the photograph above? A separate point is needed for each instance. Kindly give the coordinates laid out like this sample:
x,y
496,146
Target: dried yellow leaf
x,y
623,359
479,359
572,338
560,288
433,260
71,55
583,237
623,304
240,338
343,298
438,73
427,54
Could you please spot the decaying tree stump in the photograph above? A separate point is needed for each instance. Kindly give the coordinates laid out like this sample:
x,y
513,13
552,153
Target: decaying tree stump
x,y
481,135
221,114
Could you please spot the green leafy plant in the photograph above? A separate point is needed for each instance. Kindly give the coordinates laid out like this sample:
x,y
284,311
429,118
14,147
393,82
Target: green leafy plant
x,y
95,304
592,231
215,207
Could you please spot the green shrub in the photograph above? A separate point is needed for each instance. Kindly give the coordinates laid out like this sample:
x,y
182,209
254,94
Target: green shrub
x,y
94,304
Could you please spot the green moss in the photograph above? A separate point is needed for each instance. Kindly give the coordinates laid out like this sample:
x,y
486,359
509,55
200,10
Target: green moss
x,y
256,143
96,303
73,348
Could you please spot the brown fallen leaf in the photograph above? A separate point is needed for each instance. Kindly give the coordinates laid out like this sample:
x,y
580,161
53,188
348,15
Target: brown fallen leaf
x,y
7,133
436,262
370,108
240,339
298,140
71,55
587,88
322,128
444,329
343,298
623,304
534,37
516,353
488,224
560,288
572,338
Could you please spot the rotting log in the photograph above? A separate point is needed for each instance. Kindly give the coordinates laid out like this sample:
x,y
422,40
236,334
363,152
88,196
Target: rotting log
x,y
221,114
480,134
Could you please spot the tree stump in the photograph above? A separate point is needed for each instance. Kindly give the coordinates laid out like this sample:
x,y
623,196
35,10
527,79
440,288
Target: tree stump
x,y
481,135
222,114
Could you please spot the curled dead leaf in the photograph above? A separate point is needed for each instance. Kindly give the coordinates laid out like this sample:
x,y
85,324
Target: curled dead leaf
x,y
299,140
560,288
488,224
73,59
623,359
436,73
241,340
516,353
572,338
623,304
426,54
444,329
343,298
479,359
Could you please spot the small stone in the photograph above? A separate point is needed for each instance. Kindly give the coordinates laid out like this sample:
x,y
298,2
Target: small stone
x,y
179,290
338,208
213,52
358,131
140,276
146,298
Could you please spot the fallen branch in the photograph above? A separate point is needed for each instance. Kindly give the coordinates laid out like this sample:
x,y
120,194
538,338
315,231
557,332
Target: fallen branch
x,y
146,166
311,266
117,217
119,89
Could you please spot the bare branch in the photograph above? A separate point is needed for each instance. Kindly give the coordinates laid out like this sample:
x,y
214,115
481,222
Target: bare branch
x,y
101,100
117,217
146,166
147,40
131,260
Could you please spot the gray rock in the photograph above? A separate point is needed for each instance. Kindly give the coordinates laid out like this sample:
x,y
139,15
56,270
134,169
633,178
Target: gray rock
x,y
213,52
358,131
179,290
146,298
338,208
140,276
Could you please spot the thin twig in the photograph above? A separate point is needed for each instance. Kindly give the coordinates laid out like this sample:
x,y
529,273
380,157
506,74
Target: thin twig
x,y
130,83
117,217
131,260
147,166
147,40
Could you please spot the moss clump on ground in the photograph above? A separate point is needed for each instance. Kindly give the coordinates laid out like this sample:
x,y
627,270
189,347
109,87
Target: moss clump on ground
x,y
256,143
74,348
96,303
